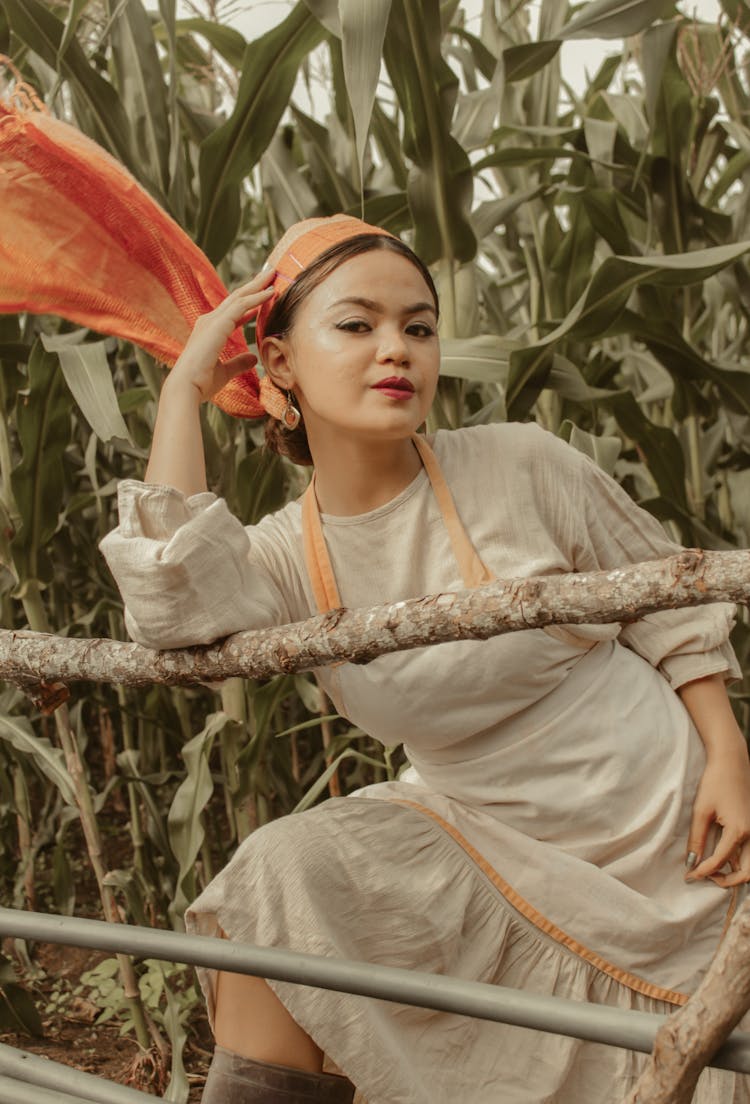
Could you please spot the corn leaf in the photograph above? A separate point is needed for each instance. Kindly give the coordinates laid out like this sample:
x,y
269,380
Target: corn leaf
x,y
616,18
17,731
72,19
186,830
17,1009
327,13
440,183
43,425
39,29
269,71
227,41
363,24
89,377
483,358
523,61
141,85
602,303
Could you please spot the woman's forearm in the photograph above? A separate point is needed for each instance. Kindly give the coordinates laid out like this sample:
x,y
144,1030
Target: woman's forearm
x,y
707,702
177,457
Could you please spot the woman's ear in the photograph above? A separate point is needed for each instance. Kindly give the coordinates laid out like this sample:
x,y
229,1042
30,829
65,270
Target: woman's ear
x,y
277,362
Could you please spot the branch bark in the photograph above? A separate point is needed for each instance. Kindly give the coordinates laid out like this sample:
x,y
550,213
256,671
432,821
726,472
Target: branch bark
x,y
43,665
691,1036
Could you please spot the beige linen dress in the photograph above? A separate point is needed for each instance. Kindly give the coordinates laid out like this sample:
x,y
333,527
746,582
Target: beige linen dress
x,y
537,840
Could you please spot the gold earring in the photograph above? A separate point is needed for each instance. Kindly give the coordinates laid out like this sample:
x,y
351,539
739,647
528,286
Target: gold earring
x,y
291,417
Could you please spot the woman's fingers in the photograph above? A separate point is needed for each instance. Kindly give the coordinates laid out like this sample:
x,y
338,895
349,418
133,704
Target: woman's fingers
x,y
246,300
713,863
740,873
227,370
728,881
730,845
258,285
699,828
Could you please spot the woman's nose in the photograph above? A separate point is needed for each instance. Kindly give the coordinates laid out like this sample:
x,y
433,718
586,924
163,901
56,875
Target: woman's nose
x,y
393,347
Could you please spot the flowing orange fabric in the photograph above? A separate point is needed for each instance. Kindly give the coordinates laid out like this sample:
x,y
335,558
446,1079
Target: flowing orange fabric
x,y
80,238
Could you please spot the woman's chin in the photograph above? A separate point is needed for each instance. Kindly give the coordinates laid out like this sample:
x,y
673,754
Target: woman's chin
x,y
385,425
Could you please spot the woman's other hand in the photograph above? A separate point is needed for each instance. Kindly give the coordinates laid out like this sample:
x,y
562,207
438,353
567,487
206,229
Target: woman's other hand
x,y
198,364
722,801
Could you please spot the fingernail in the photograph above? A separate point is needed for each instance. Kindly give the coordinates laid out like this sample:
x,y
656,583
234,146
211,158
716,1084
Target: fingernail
x,y
690,860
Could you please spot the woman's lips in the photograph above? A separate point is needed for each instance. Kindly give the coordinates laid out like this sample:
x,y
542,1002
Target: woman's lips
x,y
395,387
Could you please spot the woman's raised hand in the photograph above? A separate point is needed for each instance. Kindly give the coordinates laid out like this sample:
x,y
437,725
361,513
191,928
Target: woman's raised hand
x,y
198,364
177,458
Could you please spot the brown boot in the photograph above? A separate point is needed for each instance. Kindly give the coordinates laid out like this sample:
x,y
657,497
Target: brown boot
x,y
236,1080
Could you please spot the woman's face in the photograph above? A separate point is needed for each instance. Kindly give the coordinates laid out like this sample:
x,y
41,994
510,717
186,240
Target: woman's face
x,y
362,356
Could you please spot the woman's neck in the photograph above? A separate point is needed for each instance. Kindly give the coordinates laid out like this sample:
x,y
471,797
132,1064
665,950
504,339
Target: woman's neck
x,y
356,476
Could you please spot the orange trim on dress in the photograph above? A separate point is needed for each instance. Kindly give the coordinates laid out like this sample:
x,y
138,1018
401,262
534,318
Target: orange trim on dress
x,y
527,910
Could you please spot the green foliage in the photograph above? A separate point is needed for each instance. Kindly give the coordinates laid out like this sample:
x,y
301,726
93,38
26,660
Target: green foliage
x,y
269,70
591,252
168,992
17,1011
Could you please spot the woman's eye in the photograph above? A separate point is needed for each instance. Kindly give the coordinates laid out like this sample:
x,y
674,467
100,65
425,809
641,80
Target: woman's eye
x,y
420,329
353,326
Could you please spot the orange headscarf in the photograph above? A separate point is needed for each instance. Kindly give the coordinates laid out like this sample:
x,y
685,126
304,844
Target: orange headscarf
x,y
80,238
302,244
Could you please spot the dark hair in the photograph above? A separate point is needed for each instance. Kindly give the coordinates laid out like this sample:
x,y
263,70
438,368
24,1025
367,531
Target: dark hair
x,y
293,443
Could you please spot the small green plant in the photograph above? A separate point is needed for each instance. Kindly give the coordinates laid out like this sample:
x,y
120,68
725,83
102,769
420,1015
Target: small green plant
x,y
159,984
169,994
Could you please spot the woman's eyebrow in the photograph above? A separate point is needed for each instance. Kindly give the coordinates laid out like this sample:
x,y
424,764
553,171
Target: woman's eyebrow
x,y
371,304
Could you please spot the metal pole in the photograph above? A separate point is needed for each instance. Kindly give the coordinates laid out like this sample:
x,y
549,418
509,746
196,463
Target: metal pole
x,y
597,1023
17,1092
20,1066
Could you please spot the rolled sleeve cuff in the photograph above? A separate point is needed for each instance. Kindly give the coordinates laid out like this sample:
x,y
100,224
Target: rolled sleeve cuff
x,y
681,669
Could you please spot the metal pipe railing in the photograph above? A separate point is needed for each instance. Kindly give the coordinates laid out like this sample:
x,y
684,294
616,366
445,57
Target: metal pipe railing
x,y
21,1067
20,1092
597,1023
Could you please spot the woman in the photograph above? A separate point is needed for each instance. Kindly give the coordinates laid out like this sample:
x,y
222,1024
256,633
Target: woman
x,y
558,777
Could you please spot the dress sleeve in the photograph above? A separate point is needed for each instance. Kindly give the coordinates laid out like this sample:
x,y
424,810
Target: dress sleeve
x,y
607,529
185,568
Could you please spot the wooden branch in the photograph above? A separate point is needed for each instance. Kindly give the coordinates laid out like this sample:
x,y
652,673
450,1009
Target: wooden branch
x,y
43,665
692,1035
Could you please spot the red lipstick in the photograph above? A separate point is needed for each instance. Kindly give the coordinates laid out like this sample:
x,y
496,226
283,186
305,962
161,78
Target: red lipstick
x,y
395,387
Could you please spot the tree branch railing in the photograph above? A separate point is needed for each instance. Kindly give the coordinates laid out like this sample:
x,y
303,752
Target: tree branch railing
x,y
43,666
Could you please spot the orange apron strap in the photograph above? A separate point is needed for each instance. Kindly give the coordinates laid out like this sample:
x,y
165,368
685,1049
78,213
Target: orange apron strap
x,y
473,571
317,560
